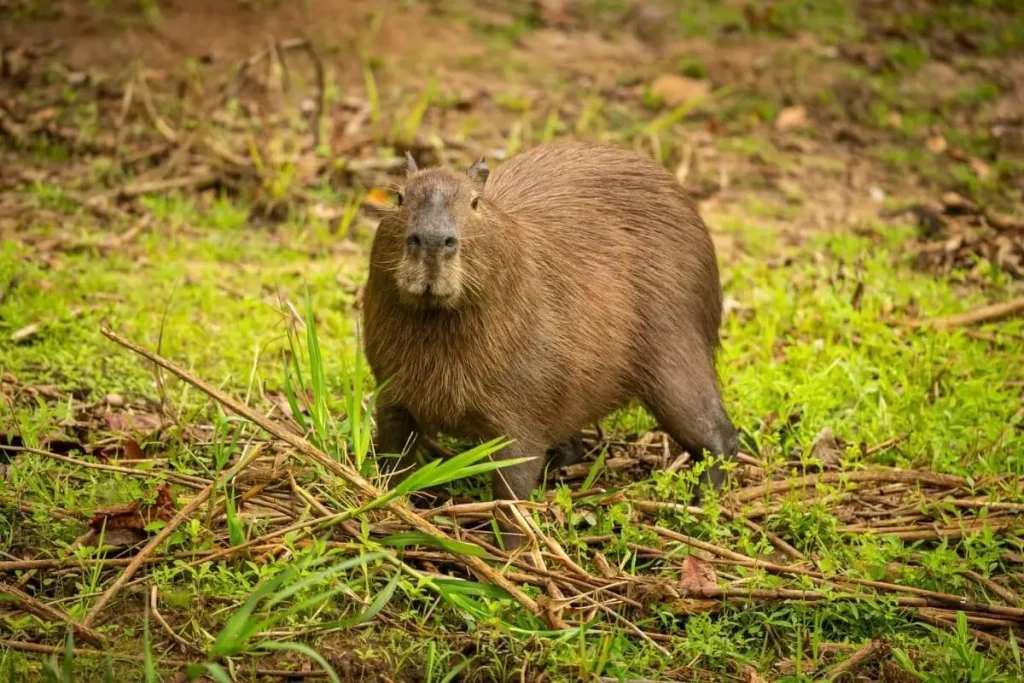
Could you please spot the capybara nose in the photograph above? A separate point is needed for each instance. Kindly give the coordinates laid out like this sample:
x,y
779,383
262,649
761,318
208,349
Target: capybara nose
x,y
432,243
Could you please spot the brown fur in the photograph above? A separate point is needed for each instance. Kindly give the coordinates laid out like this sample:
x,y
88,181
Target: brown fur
x,y
584,278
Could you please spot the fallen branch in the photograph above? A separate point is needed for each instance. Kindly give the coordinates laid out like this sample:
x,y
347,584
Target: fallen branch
x,y
861,476
871,650
82,563
50,614
950,625
195,180
155,611
984,314
1005,593
39,648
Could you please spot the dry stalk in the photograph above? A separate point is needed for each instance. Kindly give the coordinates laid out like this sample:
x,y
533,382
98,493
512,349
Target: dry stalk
x,y
51,614
871,650
990,313
863,476
986,638
188,647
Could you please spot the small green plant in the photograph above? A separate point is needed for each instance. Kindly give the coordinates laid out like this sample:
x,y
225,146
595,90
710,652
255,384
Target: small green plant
x,y
693,67
959,660
275,598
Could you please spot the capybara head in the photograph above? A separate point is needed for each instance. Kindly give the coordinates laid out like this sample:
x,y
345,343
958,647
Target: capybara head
x,y
430,244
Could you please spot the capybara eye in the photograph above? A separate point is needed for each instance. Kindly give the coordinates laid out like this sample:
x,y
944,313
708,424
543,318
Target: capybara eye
x,y
400,198
476,200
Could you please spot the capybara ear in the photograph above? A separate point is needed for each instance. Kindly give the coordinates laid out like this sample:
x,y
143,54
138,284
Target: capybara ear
x,y
410,164
478,172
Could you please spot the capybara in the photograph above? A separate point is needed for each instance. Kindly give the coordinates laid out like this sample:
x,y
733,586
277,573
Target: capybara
x,y
535,300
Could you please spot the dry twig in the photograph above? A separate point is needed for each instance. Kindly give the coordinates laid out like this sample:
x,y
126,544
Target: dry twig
x,y
50,614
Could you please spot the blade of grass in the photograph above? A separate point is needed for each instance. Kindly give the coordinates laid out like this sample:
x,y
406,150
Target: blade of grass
x,y
235,534
374,609
147,647
415,538
69,657
595,470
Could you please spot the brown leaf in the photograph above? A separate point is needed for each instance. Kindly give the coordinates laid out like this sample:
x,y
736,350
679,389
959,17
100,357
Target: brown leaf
x,y
697,574
279,400
750,675
957,153
141,423
552,13
980,168
675,90
958,204
936,144
791,117
25,332
826,449
787,667
129,449
136,514
116,538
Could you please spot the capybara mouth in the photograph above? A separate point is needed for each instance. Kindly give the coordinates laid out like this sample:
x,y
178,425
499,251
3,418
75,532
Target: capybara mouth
x,y
422,288
430,294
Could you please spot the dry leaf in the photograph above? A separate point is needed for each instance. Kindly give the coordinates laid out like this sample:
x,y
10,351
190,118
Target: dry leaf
x,y
980,168
129,449
826,449
956,203
559,515
787,667
552,13
115,538
675,90
936,144
791,117
25,332
750,675
697,574
142,423
604,566
136,514
123,526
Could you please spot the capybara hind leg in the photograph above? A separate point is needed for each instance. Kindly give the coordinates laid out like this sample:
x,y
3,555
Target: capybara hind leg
x,y
569,452
688,404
